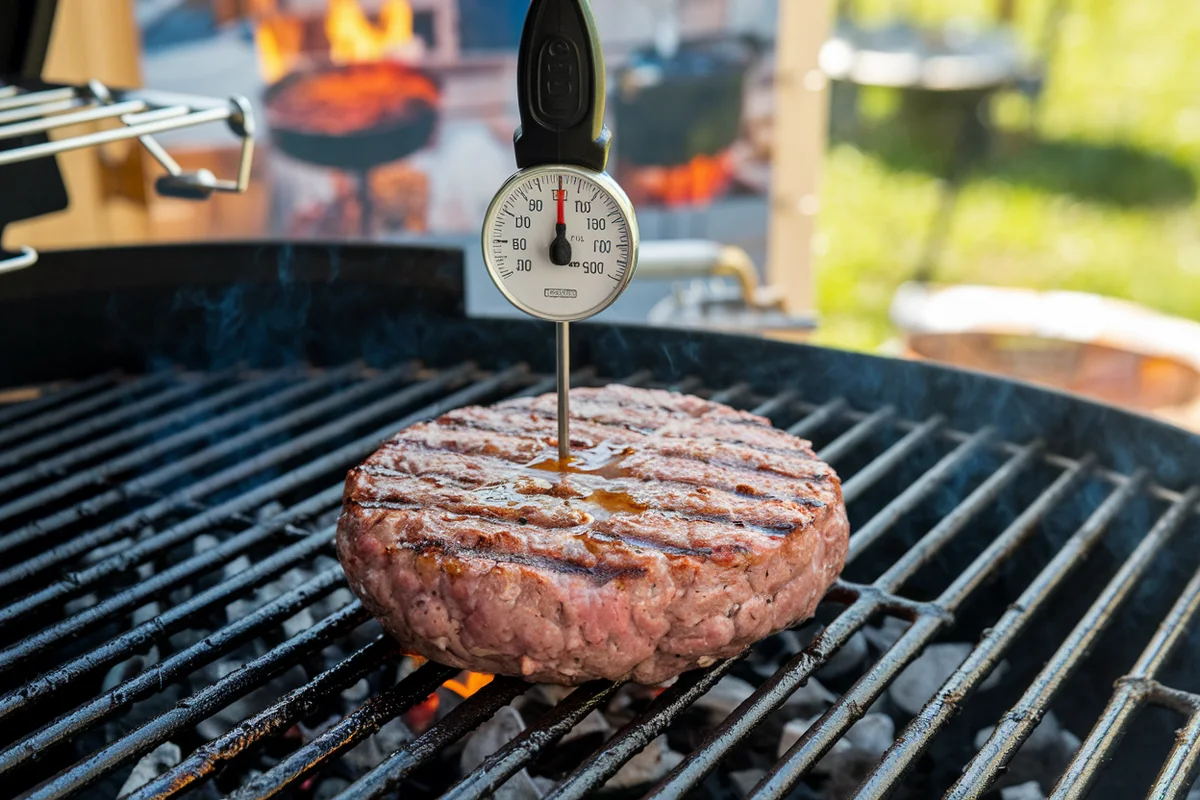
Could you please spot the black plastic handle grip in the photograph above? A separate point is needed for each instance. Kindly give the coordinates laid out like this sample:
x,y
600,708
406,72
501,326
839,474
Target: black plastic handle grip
x,y
560,88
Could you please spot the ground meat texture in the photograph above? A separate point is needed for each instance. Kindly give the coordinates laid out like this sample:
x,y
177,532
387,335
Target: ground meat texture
x,y
681,532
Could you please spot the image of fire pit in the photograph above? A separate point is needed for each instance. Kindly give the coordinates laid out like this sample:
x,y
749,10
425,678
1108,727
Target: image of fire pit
x,y
354,117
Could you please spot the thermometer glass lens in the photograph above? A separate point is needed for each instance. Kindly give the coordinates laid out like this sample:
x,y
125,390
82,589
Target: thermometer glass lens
x,y
560,242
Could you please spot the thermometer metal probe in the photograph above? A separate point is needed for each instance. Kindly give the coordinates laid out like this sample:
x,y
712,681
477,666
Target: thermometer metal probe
x,y
560,238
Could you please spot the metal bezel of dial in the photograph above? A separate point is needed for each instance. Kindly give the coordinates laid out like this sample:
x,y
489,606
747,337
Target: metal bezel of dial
x,y
601,179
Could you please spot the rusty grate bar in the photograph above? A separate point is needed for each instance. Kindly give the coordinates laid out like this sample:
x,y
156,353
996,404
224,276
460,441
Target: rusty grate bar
x,y
298,477
1019,722
102,474
81,408
279,717
349,731
465,718
821,736
1133,691
162,625
54,397
56,466
181,663
919,733
202,704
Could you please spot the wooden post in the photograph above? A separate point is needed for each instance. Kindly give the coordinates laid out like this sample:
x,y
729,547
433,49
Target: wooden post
x,y
801,115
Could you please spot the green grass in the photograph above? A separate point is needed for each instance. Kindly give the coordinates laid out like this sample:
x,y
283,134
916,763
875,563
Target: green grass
x,y
1102,199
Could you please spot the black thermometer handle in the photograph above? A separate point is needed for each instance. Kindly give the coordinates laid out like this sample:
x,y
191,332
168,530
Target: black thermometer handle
x,y
560,88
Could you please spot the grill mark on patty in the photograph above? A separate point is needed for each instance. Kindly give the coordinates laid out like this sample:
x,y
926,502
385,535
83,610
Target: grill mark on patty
x,y
813,477
695,516
769,531
600,574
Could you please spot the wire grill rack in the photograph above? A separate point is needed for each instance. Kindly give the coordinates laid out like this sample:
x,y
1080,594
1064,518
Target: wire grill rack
x,y
27,109
105,483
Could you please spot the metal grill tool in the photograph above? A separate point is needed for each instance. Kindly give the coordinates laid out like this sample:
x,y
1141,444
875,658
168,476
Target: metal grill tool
x,y
29,108
155,462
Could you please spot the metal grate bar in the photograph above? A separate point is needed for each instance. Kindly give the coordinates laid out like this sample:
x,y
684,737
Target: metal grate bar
x,y
557,722
185,661
15,411
731,394
29,112
80,408
90,426
918,734
858,434
922,487
90,112
33,98
203,704
99,474
1019,722
777,403
55,467
1132,692
229,476
1176,776
629,741
818,739
468,716
275,719
164,579
148,484
890,458
919,554
348,731
818,418
162,624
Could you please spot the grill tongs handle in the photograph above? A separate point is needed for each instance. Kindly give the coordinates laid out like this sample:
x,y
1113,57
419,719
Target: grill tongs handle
x,y
560,88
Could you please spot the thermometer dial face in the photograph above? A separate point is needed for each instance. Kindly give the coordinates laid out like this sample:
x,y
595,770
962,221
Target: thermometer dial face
x,y
560,242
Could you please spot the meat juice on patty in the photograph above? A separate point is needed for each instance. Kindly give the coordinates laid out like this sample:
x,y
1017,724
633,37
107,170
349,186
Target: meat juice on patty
x,y
681,532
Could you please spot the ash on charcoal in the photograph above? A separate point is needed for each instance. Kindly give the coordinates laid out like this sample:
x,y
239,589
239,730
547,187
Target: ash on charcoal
x,y
374,749
498,731
73,607
1029,790
357,693
236,567
594,724
886,633
269,511
727,695
330,788
297,624
809,700
106,551
220,722
203,542
746,779
1042,758
307,734
153,764
924,676
648,766
546,785
847,659
851,758
145,613
128,669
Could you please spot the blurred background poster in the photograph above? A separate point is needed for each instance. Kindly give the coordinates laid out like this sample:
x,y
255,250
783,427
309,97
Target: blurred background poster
x,y
387,118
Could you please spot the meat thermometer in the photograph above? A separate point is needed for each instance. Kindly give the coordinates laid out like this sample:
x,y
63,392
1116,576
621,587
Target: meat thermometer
x,y
560,239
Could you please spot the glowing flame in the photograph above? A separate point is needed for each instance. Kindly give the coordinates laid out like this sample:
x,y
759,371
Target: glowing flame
x,y
355,39
474,682
277,41
697,181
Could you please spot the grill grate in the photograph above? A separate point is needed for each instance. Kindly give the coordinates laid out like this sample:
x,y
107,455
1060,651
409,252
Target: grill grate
x,y
108,487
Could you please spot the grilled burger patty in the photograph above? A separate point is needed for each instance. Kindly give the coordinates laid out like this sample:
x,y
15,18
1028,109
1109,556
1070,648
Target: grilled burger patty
x,y
682,531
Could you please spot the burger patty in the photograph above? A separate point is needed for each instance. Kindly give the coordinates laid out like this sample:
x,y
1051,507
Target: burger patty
x,y
681,532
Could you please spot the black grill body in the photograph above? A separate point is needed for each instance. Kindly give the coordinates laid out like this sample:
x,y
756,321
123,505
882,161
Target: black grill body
x,y
202,404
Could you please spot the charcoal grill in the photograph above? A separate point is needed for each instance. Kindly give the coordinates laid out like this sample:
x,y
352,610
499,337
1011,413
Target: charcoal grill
x,y
218,393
